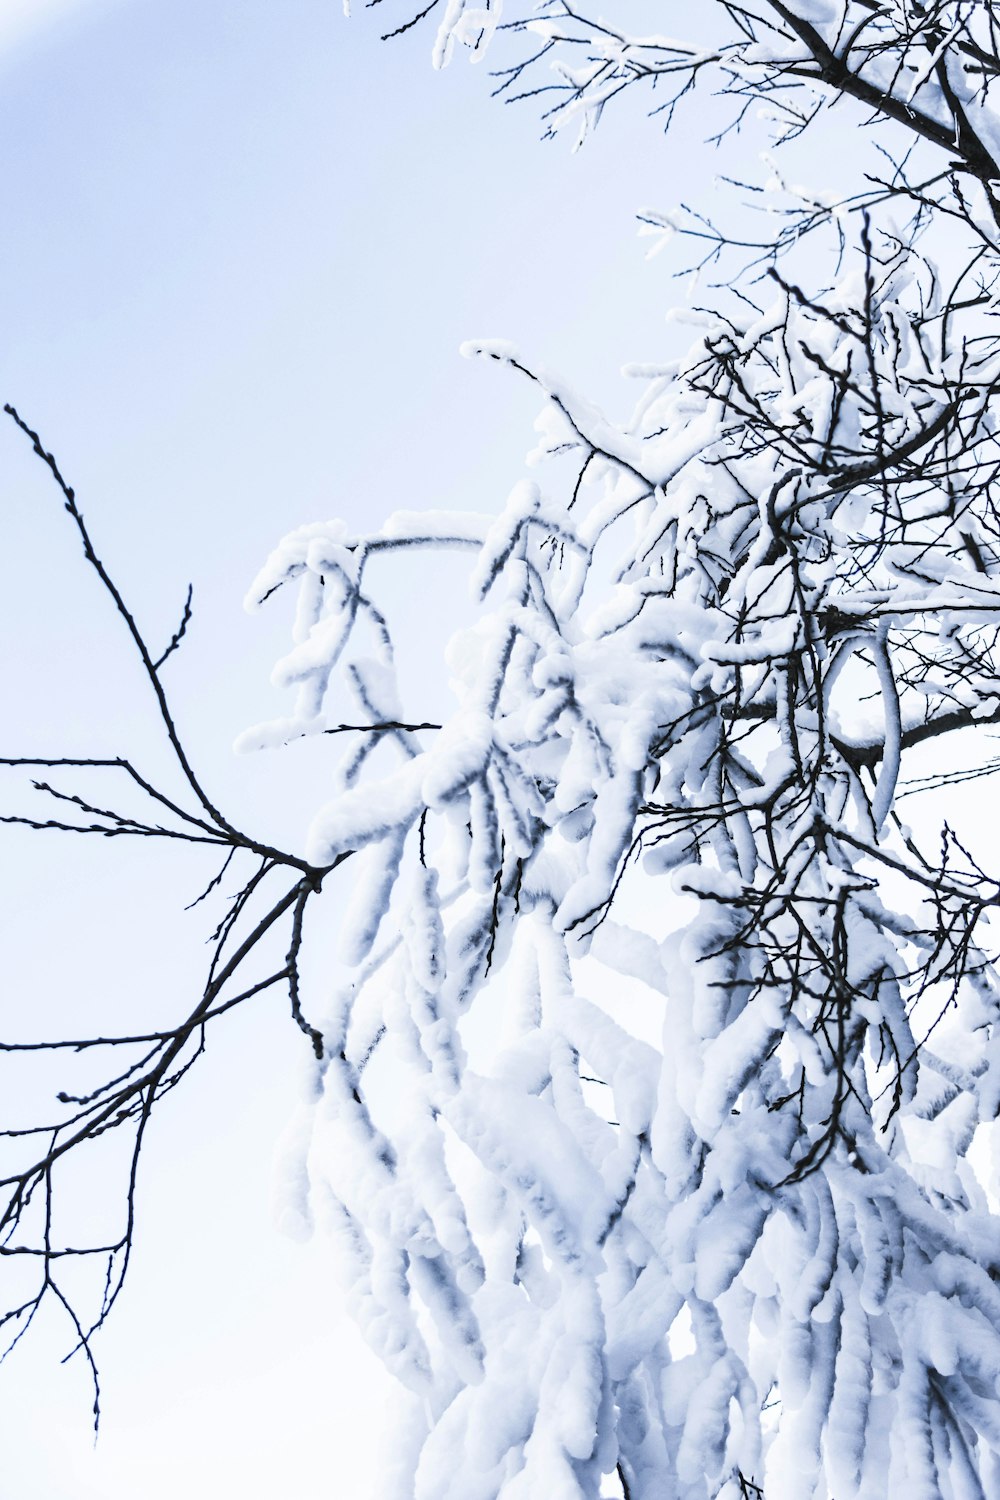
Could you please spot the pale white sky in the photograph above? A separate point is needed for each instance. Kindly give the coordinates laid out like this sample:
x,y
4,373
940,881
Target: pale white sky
x,y
22,19
240,243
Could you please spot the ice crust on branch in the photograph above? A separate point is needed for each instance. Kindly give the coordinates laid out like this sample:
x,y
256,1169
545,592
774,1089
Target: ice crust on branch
x,y
657,1017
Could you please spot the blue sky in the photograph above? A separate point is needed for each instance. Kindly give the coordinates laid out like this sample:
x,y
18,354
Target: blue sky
x,y
241,243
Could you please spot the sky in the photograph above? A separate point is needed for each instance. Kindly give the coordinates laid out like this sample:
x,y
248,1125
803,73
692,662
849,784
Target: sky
x,y
241,244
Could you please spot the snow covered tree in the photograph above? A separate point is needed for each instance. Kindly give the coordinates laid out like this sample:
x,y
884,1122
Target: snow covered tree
x,y
643,1109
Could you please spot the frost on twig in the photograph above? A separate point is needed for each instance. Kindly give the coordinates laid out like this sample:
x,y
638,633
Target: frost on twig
x,y
645,1120
556,1119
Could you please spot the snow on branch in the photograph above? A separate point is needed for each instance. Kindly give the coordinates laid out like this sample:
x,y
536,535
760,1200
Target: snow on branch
x,y
660,1018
